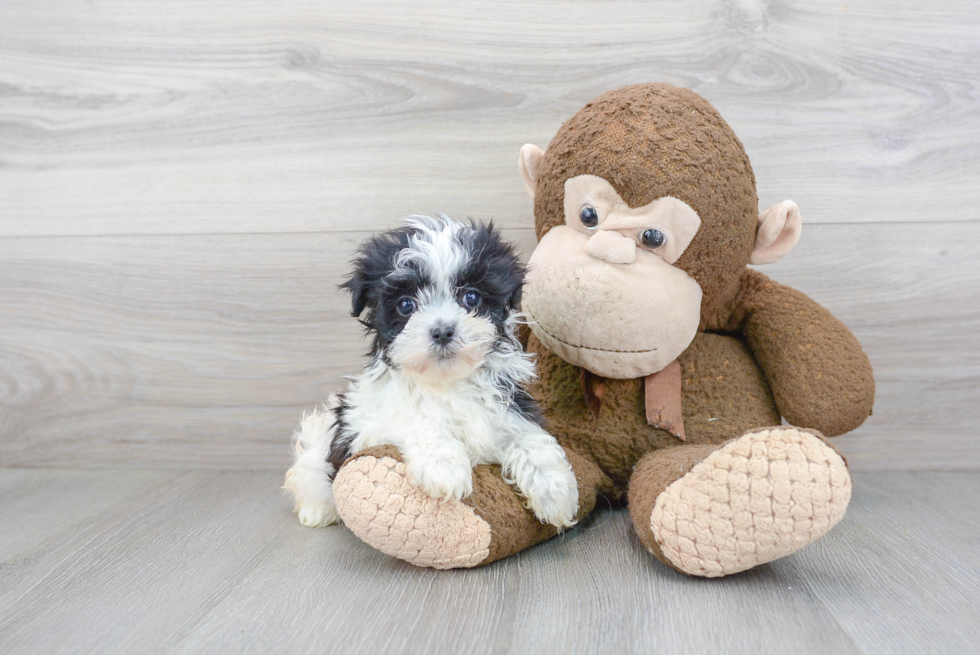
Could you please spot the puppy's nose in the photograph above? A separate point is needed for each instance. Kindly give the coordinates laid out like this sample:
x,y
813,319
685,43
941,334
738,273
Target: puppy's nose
x,y
611,246
443,334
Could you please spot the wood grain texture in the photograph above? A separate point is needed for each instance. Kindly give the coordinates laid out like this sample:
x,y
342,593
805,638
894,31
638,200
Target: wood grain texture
x,y
40,506
142,570
181,184
203,351
203,117
895,568
204,562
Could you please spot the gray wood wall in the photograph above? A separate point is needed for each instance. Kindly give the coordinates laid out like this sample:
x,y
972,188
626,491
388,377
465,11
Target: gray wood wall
x,y
181,185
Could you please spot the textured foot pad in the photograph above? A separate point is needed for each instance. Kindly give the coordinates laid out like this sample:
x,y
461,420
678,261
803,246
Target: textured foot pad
x,y
754,500
376,501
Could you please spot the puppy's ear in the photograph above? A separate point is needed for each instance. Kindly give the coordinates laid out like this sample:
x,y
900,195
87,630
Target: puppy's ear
x,y
365,275
359,287
375,259
505,265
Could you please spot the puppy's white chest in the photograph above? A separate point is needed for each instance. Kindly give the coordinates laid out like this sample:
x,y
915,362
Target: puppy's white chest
x,y
393,413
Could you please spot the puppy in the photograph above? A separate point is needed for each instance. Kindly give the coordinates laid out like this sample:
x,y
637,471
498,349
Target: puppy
x,y
445,378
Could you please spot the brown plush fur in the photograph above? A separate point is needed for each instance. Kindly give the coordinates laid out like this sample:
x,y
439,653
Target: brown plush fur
x,y
819,375
653,474
655,140
513,526
724,394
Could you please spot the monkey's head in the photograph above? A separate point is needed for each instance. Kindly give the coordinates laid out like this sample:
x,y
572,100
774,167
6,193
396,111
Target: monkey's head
x,y
646,215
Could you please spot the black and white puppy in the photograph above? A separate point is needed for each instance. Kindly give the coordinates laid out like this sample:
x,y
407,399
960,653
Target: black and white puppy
x,y
445,378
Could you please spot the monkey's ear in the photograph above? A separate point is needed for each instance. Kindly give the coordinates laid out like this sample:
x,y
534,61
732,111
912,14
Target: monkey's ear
x,y
778,231
529,163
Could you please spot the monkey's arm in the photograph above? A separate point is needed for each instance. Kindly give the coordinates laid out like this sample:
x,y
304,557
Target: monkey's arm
x,y
819,375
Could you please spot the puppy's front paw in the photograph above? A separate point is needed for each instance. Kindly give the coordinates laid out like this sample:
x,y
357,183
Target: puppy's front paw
x,y
445,478
538,467
553,497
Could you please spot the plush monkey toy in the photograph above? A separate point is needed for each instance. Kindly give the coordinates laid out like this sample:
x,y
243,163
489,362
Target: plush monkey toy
x,y
665,365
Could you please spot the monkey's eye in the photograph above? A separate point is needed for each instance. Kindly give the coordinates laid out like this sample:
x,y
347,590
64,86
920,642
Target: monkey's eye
x,y
653,238
406,306
471,300
589,216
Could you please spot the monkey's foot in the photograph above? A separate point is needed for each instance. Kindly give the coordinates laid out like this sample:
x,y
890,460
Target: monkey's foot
x,y
755,499
377,502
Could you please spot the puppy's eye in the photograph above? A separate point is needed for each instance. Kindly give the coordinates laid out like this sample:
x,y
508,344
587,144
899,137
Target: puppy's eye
x,y
653,238
589,216
406,306
471,300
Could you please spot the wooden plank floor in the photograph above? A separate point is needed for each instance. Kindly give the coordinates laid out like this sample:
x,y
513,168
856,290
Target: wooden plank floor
x,y
117,561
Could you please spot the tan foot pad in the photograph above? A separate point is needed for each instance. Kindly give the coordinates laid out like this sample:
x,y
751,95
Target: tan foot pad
x,y
754,500
376,501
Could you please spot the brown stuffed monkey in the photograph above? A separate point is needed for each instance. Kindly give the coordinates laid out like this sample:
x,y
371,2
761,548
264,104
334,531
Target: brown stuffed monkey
x,y
665,365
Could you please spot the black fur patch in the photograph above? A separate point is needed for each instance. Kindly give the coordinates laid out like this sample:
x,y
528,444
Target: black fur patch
x,y
375,288
342,436
522,403
494,270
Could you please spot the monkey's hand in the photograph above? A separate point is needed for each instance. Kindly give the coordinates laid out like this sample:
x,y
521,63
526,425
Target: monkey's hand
x,y
819,375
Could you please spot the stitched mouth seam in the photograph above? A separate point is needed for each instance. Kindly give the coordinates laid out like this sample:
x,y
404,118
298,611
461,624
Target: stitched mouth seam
x,y
602,350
